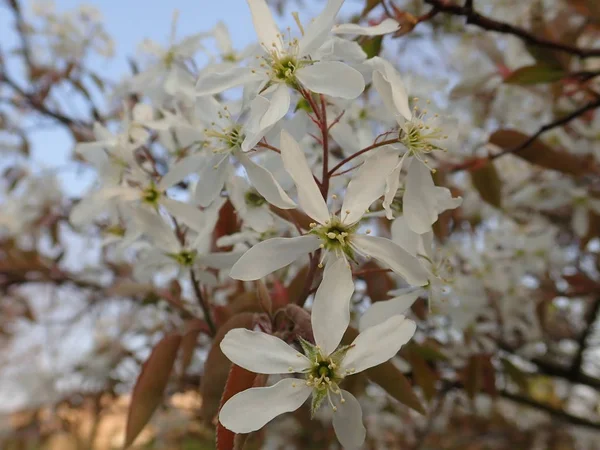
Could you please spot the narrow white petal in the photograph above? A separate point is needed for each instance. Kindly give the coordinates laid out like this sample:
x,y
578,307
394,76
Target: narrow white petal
x,y
252,409
389,85
259,219
319,28
333,78
181,169
223,260
331,309
296,165
279,105
580,220
405,237
222,39
381,311
386,26
262,353
264,25
212,177
271,255
265,183
391,254
392,183
155,228
186,213
217,82
368,184
423,201
379,343
347,421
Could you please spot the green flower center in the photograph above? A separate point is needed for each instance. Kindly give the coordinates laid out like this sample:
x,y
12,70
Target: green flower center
x,y
150,195
335,236
185,258
228,139
421,137
254,199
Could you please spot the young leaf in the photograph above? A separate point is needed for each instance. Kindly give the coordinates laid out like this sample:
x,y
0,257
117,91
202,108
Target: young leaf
x,y
239,380
216,368
488,183
423,375
543,155
535,74
150,385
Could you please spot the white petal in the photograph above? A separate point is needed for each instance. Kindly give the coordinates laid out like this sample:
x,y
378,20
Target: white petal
x,y
265,183
252,409
211,180
392,183
423,201
390,87
379,343
222,38
264,25
271,255
394,256
380,311
295,163
386,26
154,227
347,421
186,213
262,353
279,105
223,260
259,219
331,309
319,28
333,78
405,237
343,134
182,169
368,184
217,82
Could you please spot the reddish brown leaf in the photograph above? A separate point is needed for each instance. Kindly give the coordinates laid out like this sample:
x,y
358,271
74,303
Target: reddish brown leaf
x,y
378,283
423,375
150,385
264,297
472,376
296,286
216,368
543,155
239,380
488,183
293,216
188,343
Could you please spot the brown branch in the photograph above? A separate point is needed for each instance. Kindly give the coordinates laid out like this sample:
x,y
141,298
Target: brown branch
x,y
203,303
486,23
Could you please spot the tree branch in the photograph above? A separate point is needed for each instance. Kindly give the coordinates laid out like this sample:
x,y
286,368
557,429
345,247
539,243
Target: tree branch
x,y
474,18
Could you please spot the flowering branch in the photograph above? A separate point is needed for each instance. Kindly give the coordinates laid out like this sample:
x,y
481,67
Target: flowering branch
x,y
361,152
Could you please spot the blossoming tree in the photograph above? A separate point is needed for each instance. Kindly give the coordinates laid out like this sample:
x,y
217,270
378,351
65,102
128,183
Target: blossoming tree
x,y
376,228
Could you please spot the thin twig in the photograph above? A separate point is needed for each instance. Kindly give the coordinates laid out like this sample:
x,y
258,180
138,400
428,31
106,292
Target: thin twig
x,y
203,304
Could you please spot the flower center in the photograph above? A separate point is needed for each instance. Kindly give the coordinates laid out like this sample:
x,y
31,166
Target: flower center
x,y
254,199
150,195
225,139
422,135
185,258
335,236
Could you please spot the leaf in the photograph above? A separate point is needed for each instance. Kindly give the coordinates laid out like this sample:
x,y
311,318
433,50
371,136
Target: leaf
x,y
293,216
372,46
423,375
216,368
390,379
296,286
189,341
515,374
264,297
238,380
426,351
488,183
535,74
150,385
378,283
543,155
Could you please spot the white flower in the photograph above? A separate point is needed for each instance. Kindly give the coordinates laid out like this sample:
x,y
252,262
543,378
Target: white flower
x,y
323,367
283,66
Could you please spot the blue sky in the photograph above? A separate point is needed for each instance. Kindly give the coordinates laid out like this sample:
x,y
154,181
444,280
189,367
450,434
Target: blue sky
x,y
128,22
